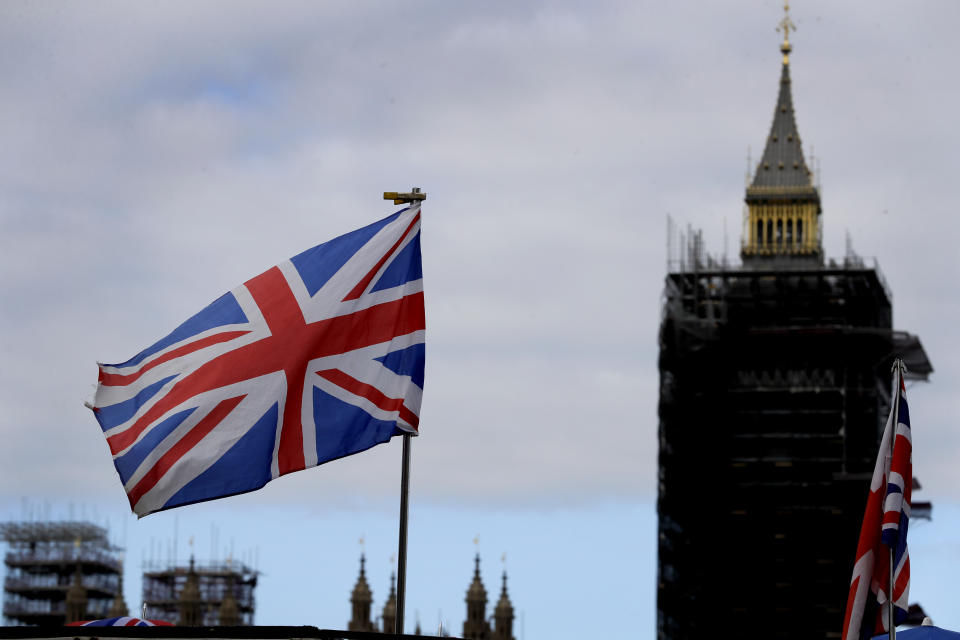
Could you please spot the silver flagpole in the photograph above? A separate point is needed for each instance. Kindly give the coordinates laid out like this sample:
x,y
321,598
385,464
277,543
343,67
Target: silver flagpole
x,y
415,195
898,381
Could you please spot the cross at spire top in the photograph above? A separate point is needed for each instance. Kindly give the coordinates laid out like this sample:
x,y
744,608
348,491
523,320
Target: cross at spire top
x,y
786,25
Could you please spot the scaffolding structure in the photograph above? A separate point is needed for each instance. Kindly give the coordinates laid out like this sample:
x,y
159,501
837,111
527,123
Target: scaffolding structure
x,y
774,388
41,561
162,587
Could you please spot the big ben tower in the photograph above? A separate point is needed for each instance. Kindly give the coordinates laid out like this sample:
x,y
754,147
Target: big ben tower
x,y
774,385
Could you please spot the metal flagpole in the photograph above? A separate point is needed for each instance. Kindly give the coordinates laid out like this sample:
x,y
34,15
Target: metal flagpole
x,y
415,195
402,552
898,368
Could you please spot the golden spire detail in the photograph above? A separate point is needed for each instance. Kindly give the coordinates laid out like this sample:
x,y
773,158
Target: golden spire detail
x,y
786,25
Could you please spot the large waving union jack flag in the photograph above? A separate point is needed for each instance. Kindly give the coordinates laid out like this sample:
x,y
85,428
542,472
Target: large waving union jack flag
x,y
317,358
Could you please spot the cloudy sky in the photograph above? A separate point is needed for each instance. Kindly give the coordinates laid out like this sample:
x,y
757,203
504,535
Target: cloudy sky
x,y
155,155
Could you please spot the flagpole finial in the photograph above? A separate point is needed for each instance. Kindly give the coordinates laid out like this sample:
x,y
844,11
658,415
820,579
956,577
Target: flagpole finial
x,y
414,195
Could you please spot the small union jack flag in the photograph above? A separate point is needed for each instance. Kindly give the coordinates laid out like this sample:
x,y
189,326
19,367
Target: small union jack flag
x,y
123,621
884,528
317,358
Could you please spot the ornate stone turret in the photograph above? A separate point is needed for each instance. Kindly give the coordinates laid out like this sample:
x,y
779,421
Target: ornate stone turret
x,y
783,205
503,615
229,609
118,607
475,627
389,616
76,605
191,604
360,601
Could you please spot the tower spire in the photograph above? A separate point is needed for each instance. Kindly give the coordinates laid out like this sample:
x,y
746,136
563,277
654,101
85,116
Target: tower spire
x,y
76,601
389,616
360,601
475,627
783,205
503,614
191,602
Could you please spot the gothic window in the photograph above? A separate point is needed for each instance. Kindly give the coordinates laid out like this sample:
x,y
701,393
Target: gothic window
x,y
800,232
779,232
769,232
790,232
759,232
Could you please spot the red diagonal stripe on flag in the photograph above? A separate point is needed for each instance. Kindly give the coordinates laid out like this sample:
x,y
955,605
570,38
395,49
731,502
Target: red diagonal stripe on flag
x,y
371,393
187,442
119,379
362,285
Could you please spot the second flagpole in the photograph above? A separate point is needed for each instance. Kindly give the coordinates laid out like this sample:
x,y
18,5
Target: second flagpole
x,y
898,382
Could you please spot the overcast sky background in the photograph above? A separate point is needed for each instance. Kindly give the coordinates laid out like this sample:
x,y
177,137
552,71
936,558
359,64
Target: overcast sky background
x,y
155,155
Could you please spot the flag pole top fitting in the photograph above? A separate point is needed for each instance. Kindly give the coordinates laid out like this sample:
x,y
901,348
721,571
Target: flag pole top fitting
x,y
415,195
898,365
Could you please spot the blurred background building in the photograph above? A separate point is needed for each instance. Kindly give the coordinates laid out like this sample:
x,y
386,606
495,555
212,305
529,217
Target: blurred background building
x,y
59,572
775,383
62,572
213,594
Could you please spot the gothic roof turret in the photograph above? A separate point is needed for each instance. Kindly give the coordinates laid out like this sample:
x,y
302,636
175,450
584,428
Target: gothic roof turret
x,y
229,614
476,592
360,600
191,588
503,615
191,602
118,608
76,599
476,626
504,607
389,615
361,590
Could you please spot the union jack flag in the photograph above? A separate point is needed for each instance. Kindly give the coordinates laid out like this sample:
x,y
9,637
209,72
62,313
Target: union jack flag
x,y
123,621
317,358
884,527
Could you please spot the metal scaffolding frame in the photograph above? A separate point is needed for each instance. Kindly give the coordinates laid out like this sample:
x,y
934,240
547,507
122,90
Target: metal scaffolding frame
x,y
162,586
774,385
41,561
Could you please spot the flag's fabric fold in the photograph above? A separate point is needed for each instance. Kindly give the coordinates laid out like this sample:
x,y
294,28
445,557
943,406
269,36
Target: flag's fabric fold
x,y
884,527
317,358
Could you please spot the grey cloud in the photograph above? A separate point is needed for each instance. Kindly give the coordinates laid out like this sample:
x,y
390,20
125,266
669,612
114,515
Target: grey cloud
x,y
155,158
